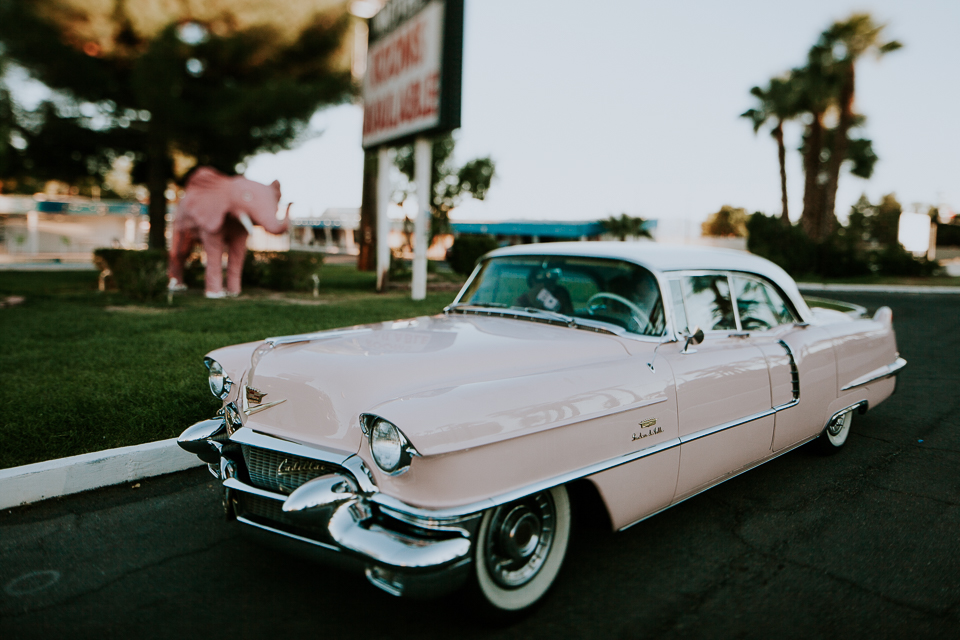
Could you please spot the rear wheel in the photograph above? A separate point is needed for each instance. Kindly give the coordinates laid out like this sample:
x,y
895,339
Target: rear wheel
x,y
835,434
520,547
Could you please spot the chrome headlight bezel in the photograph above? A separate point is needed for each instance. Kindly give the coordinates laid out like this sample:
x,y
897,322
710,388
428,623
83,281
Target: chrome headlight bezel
x,y
391,450
219,382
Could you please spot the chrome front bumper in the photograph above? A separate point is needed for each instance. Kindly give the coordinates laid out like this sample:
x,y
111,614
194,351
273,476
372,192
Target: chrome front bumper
x,y
333,518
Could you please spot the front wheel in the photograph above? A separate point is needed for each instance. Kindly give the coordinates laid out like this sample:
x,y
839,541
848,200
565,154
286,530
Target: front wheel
x,y
520,547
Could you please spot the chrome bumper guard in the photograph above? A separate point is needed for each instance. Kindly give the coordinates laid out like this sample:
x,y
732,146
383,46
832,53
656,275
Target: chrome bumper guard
x,y
331,518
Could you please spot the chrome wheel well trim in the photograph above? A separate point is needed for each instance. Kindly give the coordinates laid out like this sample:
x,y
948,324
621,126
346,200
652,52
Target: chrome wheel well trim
x,y
862,406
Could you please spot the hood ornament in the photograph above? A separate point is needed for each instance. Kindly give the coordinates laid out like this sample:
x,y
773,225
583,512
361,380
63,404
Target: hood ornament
x,y
254,395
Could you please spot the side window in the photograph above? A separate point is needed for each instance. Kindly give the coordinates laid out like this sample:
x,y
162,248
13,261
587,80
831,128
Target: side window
x,y
759,305
708,302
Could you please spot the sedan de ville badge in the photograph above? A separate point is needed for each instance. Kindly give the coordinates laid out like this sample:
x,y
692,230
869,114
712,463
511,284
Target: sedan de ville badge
x,y
648,424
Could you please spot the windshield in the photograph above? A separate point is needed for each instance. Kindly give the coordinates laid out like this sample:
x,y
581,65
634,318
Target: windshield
x,y
611,291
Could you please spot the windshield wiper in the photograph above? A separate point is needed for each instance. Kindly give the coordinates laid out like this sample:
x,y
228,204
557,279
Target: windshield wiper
x,y
556,315
459,305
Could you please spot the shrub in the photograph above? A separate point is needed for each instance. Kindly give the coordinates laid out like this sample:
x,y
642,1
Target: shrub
x,y
281,270
948,235
788,247
895,261
839,256
142,274
466,250
839,259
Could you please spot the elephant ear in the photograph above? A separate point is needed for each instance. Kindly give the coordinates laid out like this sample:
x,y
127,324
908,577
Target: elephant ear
x,y
207,199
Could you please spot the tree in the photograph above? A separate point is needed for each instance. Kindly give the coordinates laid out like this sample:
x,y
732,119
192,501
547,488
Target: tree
x,y
779,101
449,184
824,86
211,84
729,222
626,226
845,43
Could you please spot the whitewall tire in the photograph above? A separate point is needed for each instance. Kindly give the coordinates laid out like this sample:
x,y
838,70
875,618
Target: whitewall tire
x,y
520,547
836,432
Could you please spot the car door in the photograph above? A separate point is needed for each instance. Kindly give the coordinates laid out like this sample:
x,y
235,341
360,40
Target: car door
x,y
723,385
800,358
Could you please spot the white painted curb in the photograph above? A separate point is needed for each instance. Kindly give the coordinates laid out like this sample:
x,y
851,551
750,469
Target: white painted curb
x,y
875,288
61,477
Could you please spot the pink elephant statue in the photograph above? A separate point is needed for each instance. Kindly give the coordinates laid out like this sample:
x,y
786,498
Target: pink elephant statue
x,y
220,211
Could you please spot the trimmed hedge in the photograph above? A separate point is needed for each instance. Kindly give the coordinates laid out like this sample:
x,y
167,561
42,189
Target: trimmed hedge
x,y
143,274
140,274
281,270
839,256
467,250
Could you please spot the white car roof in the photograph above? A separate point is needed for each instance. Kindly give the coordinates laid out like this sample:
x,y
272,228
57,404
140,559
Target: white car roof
x,y
663,258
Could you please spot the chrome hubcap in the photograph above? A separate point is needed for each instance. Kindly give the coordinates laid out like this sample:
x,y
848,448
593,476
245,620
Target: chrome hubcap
x,y
838,425
518,539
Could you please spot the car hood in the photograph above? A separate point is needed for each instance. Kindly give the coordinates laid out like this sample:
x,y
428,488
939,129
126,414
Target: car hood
x,y
446,381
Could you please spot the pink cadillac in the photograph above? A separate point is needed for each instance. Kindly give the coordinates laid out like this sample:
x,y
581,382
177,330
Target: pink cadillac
x,y
438,452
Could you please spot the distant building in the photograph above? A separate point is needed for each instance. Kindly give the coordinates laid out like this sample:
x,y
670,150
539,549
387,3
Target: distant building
x,y
333,232
68,229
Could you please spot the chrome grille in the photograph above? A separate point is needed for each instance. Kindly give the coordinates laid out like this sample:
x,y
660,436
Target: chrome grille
x,y
270,513
282,472
253,505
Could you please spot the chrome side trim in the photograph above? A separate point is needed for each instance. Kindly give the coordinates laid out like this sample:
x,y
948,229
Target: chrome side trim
x,y
721,481
395,505
709,431
281,532
794,371
248,436
233,483
453,512
877,374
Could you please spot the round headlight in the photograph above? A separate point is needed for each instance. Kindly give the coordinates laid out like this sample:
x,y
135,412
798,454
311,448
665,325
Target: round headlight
x,y
219,382
386,445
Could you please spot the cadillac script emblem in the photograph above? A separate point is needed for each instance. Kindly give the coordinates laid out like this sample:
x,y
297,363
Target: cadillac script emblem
x,y
289,467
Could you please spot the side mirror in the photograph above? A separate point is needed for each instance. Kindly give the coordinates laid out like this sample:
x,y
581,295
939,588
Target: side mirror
x,y
694,338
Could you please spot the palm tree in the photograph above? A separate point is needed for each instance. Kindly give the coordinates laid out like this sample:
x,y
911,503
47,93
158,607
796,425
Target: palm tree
x,y
845,42
816,92
625,226
779,101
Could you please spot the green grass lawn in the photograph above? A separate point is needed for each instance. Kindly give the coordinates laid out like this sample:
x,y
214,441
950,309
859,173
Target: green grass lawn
x,y
85,370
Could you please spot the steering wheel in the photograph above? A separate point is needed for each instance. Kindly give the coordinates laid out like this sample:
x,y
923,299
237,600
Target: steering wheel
x,y
638,313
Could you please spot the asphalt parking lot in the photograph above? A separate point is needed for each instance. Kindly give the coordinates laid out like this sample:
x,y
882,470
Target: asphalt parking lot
x,y
863,544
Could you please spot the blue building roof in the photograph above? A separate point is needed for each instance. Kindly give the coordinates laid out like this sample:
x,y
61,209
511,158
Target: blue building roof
x,y
91,208
545,228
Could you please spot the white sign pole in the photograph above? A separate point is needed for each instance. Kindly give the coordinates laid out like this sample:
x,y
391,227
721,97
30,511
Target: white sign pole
x,y
383,221
421,230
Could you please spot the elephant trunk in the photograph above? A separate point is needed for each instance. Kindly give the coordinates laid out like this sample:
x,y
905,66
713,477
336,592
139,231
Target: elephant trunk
x,y
285,223
278,227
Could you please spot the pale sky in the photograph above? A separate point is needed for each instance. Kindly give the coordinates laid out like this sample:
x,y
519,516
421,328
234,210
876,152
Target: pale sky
x,y
593,109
